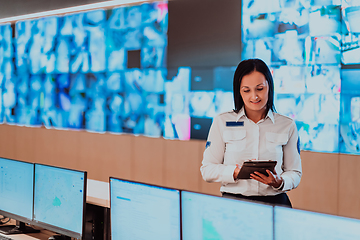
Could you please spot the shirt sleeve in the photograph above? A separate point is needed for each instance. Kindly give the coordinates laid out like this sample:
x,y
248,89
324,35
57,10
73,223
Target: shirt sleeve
x,y
291,161
213,168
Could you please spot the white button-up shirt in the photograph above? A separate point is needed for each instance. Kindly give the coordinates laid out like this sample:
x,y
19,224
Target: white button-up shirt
x,y
233,139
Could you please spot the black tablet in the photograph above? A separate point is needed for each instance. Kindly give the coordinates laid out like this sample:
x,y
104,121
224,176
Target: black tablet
x,y
249,167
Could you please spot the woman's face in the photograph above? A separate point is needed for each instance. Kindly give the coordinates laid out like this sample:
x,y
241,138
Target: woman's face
x,y
254,90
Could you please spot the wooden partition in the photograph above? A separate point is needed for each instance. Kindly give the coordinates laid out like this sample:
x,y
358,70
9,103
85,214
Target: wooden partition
x,y
181,167
8,140
23,146
349,186
318,189
329,183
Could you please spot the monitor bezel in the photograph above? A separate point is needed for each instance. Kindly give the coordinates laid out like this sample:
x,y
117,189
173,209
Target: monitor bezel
x,y
58,229
16,216
151,185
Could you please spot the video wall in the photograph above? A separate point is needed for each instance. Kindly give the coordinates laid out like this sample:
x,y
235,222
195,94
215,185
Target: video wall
x,y
312,47
101,70
105,71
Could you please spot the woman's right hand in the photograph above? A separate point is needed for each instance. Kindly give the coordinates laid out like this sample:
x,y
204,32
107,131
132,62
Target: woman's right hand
x,y
236,171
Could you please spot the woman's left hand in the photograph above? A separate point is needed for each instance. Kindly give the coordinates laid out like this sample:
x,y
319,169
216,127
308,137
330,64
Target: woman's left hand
x,y
273,179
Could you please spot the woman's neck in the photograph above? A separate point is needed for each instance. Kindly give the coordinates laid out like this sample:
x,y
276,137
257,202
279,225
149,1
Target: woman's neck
x,y
255,116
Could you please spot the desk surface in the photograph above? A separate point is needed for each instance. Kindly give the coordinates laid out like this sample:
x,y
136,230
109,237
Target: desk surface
x,y
97,193
42,235
23,237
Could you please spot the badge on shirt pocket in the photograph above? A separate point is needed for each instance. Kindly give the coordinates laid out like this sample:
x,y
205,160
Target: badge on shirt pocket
x,y
235,124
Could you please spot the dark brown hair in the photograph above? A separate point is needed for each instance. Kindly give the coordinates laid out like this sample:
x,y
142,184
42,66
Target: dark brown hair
x,y
246,67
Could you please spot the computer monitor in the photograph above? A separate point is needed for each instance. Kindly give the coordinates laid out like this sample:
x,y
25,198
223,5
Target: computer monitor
x,y
16,194
59,200
298,224
200,127
141,211
202,79
213,217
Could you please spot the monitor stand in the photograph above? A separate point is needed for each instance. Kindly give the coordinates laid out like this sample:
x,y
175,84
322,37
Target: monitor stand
x,y
19,228
59,237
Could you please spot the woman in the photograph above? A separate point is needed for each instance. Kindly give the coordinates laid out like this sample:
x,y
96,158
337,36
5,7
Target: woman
x,y
253,131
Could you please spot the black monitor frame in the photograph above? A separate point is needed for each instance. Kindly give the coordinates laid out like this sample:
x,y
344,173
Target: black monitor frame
x,y
151,185
58,229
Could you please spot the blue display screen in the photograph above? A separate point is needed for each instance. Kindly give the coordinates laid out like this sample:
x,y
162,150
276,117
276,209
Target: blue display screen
x,y
307,44
101,70
16,187
105,71
350,111
212,217
140,211
59,198
297,224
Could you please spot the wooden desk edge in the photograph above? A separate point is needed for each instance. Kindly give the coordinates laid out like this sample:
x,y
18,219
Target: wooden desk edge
x,y
98,201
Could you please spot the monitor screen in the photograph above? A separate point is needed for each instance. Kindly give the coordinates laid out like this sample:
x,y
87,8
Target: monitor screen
x,y
200,128
59,200
304,44
140,211
16,189
297,224
212,217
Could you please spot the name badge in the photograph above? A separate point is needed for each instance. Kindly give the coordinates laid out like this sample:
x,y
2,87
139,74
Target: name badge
x,y
235,124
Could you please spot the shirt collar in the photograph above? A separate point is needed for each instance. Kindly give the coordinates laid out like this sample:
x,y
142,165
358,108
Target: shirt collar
x,y
270,115
240,114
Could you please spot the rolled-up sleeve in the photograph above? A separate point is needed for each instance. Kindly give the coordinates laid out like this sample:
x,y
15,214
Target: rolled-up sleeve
x,y
213,169
291,160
